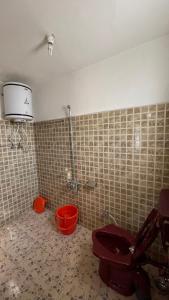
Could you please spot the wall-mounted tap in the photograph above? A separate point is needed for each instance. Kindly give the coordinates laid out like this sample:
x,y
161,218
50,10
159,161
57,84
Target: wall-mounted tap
x,y
106,215
73,185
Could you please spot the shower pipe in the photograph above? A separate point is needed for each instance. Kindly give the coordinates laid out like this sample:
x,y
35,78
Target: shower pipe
x,y
72,157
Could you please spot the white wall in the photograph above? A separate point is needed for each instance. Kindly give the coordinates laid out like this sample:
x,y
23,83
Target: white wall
x,y
135,77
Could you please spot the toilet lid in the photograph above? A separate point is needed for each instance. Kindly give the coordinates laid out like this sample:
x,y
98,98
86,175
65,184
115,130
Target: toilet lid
x,y
146,234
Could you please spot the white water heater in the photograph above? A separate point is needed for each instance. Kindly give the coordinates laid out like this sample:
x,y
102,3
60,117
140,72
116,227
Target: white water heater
x,y
17,101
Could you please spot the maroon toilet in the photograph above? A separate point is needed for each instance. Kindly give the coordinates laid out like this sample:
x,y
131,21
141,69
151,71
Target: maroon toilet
x,y
122,255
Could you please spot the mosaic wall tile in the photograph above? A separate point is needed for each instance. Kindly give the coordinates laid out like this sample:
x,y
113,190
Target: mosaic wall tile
x,y
126,152
18,170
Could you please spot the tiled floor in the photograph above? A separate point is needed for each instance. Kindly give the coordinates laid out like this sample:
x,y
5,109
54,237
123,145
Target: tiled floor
x,y
37,263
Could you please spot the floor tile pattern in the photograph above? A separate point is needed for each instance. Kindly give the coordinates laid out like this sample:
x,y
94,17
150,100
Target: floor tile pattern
x,y
38,263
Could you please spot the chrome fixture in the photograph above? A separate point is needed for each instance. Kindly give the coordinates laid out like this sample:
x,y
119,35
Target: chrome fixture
x,y
72,183
50,40
106,215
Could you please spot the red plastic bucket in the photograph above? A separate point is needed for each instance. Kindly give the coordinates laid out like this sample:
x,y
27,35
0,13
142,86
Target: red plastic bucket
x,y
39,204
67,230
66,218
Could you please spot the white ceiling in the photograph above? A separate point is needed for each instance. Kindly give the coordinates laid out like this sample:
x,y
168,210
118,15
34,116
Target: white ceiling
x,y
86,31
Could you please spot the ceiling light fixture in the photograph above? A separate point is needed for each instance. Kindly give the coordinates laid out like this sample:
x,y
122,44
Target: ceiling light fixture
x,y
51,40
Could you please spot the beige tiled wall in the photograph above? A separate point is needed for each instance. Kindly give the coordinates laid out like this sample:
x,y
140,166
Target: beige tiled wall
x,y
126,152
18,171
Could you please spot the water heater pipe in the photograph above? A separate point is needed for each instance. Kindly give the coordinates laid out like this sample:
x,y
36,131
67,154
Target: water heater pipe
x,y
72,158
